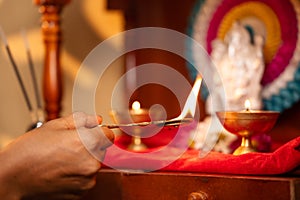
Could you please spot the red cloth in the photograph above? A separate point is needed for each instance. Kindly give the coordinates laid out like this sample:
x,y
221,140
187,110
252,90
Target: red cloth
x,y
177,158
283,160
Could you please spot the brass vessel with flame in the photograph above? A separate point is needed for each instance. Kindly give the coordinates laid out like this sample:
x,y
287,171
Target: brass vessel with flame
x,y
132,116
247,123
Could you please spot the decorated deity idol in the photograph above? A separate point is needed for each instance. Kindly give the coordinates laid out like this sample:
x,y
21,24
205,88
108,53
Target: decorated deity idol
x,y
240,63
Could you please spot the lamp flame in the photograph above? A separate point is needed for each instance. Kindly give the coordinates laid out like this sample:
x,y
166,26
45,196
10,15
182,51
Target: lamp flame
x,y
247,104
191,102
136,105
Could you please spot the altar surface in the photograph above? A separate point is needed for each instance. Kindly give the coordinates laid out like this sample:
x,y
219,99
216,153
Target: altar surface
x,y
273,175
115,185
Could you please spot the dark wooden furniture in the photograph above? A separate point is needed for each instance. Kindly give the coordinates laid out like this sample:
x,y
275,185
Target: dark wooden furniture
x,y
116,185
51,31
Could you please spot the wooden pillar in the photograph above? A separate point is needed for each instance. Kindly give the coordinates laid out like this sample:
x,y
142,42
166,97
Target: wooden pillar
x,y
52,78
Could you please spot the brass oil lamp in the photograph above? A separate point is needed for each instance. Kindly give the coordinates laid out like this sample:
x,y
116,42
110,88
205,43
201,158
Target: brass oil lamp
x,y
247,123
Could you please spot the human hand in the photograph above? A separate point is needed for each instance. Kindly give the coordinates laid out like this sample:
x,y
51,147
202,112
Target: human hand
x,y
59,160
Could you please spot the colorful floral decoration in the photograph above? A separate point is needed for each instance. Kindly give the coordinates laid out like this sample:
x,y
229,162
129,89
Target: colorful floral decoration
x,y
277,20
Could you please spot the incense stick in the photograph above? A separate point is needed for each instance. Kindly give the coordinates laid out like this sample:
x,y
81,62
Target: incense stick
x,y
32,73
16,70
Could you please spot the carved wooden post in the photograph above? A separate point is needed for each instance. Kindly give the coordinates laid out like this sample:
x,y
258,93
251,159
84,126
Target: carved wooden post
x,y
52,78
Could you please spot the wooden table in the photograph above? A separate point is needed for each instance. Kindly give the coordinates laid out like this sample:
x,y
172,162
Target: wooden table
x,y
115,185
